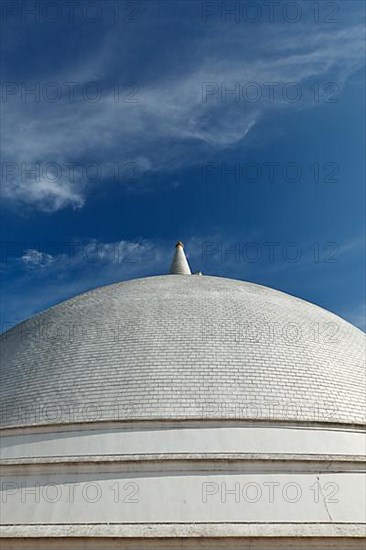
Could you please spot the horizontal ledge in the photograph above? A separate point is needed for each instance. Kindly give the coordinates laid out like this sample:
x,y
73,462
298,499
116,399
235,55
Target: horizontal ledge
x,y
166,464
185,530
152,423
158,457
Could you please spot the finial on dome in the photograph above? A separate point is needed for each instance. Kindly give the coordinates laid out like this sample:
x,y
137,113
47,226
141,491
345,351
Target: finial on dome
x,y
180,265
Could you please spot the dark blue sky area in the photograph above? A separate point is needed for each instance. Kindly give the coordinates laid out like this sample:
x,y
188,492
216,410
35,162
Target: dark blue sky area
x,y
162,121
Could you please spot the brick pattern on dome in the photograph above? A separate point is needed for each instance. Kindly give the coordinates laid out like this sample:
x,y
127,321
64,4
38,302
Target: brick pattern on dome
x,y
175,347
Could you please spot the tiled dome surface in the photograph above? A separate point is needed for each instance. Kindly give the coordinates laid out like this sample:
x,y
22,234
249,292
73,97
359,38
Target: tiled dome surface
x,y
183,346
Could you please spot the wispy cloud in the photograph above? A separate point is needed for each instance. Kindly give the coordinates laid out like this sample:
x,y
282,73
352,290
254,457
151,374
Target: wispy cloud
x,y
33,259
170,125
39,279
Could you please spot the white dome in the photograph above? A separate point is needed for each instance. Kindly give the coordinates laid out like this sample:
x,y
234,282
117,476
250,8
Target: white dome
x,y
183,347
184,394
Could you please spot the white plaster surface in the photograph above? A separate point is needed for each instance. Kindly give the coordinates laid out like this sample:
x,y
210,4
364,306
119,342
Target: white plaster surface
x,y
108,498
175,349
220,439
183,347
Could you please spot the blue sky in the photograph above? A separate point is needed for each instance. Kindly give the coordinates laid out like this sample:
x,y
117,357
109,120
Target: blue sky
x,y
135,141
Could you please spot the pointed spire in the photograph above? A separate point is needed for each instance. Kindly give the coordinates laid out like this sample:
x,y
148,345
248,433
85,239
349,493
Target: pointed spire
x,y
180,265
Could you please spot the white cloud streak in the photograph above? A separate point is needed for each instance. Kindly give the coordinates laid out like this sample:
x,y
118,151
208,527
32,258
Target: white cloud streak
x,y
170,126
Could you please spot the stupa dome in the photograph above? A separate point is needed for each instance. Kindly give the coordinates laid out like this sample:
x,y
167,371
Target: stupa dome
x,y
183,411
183,347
